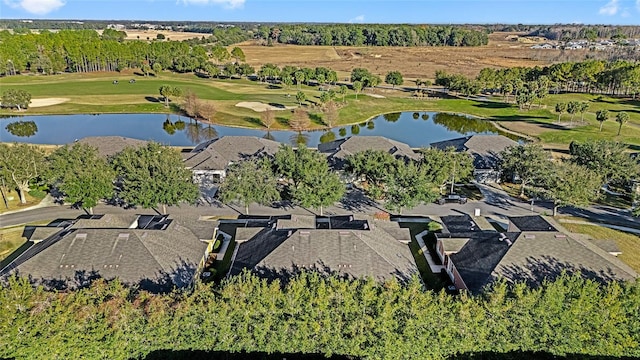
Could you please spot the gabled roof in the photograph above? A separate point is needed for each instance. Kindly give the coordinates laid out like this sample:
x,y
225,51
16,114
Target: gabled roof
x,y
110,145
338,150
374,252
154,259
218,153
529,223
483,148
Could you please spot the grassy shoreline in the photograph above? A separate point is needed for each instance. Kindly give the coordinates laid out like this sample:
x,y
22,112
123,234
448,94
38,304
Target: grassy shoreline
x,y
94,93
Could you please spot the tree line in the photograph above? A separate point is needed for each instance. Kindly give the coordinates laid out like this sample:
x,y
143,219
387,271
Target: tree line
x,y
148,176
371,35
567,315
620,77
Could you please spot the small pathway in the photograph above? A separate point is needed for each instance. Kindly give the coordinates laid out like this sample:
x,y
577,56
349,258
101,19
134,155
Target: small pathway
x,y
435,268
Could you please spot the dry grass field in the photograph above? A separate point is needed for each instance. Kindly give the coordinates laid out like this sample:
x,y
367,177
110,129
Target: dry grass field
x,y
133,34
412,62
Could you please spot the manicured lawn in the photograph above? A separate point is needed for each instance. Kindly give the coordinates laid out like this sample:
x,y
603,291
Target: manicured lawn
x,y
629,244
13,200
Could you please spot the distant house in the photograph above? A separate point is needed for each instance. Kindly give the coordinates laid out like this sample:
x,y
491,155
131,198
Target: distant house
x,y
531,250
342,245
155,253
338,150
110,145
485,150
211,159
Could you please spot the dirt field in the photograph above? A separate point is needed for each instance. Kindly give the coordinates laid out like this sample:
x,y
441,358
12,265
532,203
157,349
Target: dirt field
x,y
151,34
412,62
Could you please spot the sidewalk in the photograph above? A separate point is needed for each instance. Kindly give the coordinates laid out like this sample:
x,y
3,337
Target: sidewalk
x,y
46,202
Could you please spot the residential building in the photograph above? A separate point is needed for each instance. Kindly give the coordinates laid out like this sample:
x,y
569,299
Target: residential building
x,y
110,145
338,150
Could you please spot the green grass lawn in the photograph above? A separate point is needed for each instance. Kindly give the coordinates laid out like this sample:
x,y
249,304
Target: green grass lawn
x,y
431,280
95,93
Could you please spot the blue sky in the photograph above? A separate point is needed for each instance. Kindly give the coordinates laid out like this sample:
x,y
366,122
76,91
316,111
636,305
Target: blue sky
x,y
343,11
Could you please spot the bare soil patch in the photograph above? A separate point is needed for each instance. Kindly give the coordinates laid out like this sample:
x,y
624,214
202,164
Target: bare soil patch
x,y
47,102
260,107
133,34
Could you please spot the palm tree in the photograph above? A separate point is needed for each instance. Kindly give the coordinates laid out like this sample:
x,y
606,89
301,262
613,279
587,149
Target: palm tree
x,y
560,108
582,108
357,87
621,119
602,116
343,91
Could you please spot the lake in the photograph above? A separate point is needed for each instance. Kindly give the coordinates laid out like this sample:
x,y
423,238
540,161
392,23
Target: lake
x,y
417,129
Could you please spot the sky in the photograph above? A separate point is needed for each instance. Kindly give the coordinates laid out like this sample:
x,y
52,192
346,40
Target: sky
x,y
615,12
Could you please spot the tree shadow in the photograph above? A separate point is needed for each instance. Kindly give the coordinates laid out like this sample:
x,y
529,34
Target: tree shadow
x,y
253,121
492,105
316,119
279,106
357,201
152,99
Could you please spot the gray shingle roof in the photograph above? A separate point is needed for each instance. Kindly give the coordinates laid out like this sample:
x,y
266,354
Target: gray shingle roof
x,y
352,253
338,150
154,259
218,153
110,145
483,148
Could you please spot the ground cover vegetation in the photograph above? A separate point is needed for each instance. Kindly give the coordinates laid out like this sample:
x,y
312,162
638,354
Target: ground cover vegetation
x,y
149,176
311,314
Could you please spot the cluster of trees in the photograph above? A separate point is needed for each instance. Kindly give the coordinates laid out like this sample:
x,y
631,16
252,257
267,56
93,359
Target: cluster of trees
x,y
575,181
15,98
146,176
85,51
289,75
302,176
316,315
371,35
610,77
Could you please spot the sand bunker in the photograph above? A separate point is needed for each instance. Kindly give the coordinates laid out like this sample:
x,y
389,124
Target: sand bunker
x,y
260,107
376,96
47,102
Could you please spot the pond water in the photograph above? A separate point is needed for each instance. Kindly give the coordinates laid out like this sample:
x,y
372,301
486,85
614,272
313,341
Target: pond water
x,y
417,129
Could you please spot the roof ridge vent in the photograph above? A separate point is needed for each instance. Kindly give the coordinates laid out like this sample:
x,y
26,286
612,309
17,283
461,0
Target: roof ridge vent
x,y
529,236
560,236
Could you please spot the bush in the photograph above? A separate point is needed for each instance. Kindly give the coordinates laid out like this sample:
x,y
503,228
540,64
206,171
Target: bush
x,y
38,194
216,245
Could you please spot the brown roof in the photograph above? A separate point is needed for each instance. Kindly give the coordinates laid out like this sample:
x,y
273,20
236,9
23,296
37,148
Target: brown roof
x,y
110,145
484,148
339,149
217,154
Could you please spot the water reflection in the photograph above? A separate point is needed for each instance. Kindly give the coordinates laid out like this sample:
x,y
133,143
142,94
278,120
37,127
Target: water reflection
x,y
463,124
328,136
355,130
299,138
391,117
22,128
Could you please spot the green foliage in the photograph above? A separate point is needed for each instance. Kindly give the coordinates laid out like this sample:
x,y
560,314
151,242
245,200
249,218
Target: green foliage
x,y
237,54
607,158
373,165
602,116
408,185
570,184
153,175
394,78
15,98
530,163
447,166
38,194
81,174
312,314
250,181
19,164
311,183
621,119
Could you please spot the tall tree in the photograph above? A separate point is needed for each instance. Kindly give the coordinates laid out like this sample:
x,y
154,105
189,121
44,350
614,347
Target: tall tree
x,y
582,108
300,120
157,68
621,118
394,78
330,114
408,185
571,185
21,163
191,103
560,108
357,87
268,118
602,116
250,181
607,158
17,98
530,163
572,108
81,174
373,165
238,54
153,175
206,110
300,97
343,91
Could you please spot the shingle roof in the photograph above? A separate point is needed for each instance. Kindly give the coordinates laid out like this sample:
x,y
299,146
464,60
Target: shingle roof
x,y
218,153
352,253
338,150
155,259
110,145
529,223
483,148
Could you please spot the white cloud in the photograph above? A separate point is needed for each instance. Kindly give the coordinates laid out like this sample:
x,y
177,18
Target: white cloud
x,y
37,7
230,4
360,18
611,8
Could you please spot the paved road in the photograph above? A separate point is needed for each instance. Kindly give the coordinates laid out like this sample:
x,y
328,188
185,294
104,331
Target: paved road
x,y
496,203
